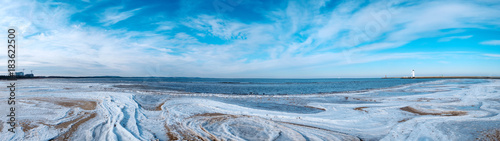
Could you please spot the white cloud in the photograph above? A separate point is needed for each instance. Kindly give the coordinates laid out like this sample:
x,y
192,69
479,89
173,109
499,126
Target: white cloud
x,y
491,42
446,39
435,16
443,62
218,27
403,25
113,15
492,55
297,37
163,26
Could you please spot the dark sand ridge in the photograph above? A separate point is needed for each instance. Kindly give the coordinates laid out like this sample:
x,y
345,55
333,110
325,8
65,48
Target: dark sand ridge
x,y
490,135
323,109
1,126
404,120
211,136
74,125
189,134
317,128
71,125
171,135
441,113
70,103
176,131
361,109
26,125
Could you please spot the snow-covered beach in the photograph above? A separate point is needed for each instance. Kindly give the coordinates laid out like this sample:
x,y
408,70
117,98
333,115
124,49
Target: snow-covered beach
x,y
450,109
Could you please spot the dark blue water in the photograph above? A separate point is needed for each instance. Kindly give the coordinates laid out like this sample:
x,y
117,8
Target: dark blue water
x,y
252,86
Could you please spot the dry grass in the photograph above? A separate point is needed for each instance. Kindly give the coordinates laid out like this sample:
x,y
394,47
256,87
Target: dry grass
x,y
443,113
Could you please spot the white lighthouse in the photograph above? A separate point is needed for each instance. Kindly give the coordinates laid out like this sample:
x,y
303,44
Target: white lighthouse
x,y
413,73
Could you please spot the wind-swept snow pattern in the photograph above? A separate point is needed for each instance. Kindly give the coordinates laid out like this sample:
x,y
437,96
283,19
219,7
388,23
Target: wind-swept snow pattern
x,y
458,109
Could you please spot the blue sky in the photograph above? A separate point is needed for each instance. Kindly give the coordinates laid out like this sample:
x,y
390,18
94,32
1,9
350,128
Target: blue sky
x,y
264,39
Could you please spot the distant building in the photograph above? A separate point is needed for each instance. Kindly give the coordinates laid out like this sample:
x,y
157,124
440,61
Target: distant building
x,y
22,75
29,75
412,73
19,73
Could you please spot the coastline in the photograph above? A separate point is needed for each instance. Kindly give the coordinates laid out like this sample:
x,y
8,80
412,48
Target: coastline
x,y
445,77
3,77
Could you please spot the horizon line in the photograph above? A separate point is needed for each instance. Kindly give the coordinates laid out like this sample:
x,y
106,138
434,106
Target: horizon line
x,y
392,77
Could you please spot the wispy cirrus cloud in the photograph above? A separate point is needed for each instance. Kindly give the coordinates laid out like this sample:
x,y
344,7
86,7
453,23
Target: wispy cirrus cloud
x,y
114,15
165,26
217,27
446,39
492,55
491,42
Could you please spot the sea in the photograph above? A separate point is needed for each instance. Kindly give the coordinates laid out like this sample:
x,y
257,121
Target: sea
x,y
251,86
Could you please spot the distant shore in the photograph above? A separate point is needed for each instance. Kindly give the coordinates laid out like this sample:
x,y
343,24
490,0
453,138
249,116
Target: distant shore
x,y
3,77
445,77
